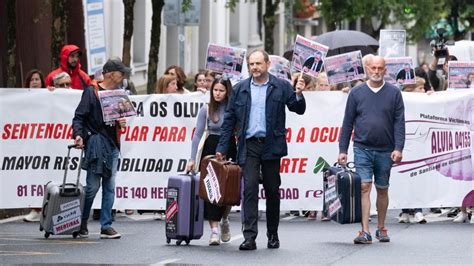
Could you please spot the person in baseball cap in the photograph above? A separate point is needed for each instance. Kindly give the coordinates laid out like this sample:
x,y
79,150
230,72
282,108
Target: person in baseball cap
x,y
92,132
115,64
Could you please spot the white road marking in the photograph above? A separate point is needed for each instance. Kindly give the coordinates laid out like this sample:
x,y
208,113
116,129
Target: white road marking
x,y
12,219
288,218
168,261
237,237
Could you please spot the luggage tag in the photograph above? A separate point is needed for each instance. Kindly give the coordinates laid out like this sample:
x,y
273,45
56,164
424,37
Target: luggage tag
x,y
212,184
330,194
334,207
331,181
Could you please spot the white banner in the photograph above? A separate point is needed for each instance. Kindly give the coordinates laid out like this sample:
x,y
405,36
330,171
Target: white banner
x,y
35,128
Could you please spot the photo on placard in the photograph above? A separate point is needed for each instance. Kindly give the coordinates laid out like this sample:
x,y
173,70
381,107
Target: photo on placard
x,y
344,67
392,43
226,60
308,56
115,104
400,71
280,67
460,75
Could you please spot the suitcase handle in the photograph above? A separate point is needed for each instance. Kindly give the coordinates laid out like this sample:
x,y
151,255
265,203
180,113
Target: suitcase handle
x,y
44,209
225,162
62,190
348,165
196,202
72,191
196,217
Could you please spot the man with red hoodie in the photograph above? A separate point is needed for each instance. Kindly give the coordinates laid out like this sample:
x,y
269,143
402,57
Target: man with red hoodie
x,y
70,63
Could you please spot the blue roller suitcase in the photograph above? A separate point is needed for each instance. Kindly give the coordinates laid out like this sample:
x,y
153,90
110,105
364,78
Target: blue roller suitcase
x,y
184,209
343,185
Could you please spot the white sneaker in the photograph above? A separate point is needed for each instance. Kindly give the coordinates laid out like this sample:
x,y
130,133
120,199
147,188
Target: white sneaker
x,y
404,218
462,217
472,218
33,216
214,240
419,218
373,212
225,231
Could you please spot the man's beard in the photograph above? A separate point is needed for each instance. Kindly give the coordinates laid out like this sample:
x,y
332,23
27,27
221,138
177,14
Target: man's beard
x,y
71,66
375,78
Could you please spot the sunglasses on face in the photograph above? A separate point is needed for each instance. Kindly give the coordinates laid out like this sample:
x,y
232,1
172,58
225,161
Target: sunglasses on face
x,y
224,77
64,85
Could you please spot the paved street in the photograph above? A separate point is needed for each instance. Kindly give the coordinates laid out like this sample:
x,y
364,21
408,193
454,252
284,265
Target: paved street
x,y
302,242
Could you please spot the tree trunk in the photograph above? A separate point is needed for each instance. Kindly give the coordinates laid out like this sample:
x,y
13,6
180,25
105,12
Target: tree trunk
x,y
11,44
269,22
367,27
259,17
157,6
453,21
127,31
58,31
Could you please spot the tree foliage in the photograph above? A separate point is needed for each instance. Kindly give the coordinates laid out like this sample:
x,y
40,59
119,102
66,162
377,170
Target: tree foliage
x,y
416,16
460,15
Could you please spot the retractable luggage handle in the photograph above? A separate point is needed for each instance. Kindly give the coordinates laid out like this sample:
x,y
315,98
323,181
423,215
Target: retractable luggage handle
x,y
196,202
62,190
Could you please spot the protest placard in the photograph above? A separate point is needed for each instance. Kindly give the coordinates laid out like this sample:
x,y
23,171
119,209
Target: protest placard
x,y
280,67
344,67
115,104
460,75
399,71
392,43
308,56
225,59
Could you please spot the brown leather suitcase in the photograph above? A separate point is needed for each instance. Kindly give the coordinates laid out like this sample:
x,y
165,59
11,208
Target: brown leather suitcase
x,y
228,176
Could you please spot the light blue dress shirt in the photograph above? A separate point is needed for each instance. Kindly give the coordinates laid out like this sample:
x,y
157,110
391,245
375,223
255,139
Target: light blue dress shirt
x,y
257,122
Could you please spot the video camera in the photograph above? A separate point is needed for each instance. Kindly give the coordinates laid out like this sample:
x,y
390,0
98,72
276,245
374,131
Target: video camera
x,y
439,43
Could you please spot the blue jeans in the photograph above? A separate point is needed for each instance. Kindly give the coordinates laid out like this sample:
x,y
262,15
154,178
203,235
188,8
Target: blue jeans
x,y
108,193
370,163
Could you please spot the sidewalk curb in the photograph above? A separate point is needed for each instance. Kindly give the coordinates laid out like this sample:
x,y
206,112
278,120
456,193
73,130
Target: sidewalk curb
x,y
12,219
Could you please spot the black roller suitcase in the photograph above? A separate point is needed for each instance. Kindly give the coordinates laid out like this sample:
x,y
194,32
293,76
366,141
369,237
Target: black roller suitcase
x,y
342,194
63,205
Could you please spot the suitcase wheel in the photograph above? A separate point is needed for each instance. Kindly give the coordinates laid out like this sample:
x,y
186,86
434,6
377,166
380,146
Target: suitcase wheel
x,y
168,240
46,235
75,234
178,242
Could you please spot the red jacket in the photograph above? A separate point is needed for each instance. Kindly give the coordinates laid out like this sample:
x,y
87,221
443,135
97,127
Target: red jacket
x,y
76,73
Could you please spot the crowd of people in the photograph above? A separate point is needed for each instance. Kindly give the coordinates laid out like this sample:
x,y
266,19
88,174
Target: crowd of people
x,y
260,134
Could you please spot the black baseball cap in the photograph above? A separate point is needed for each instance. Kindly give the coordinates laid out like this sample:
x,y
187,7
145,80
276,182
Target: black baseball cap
x,y
115,65
78,52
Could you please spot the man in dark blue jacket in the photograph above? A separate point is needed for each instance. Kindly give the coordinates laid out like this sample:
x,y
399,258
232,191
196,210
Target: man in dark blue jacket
x,y
102,143
376,113
256,110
